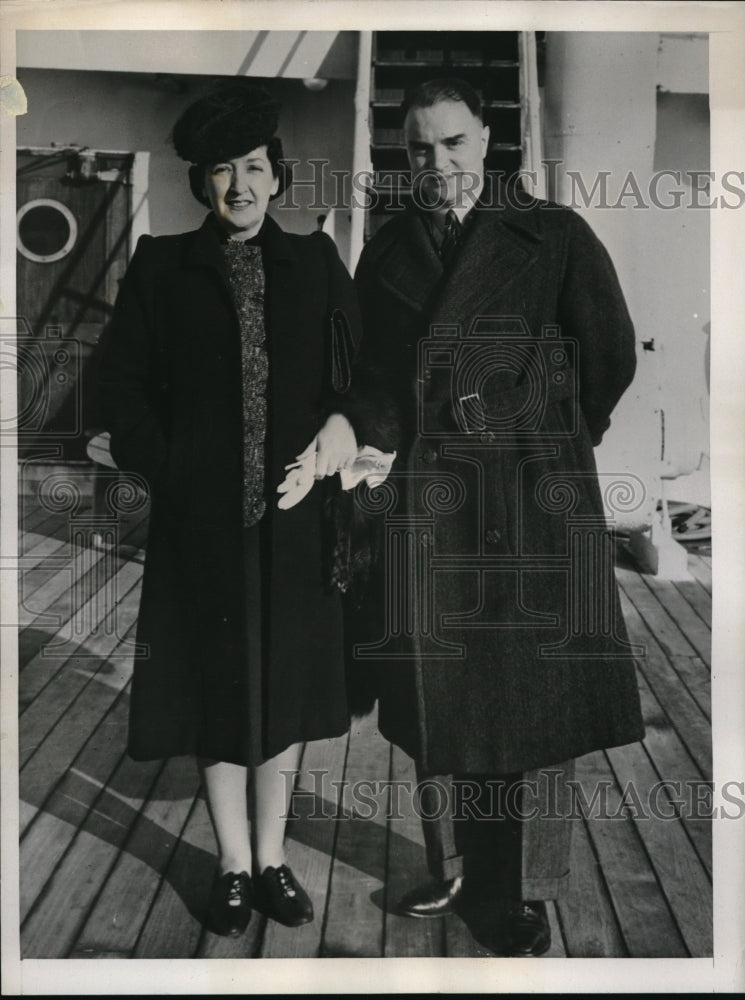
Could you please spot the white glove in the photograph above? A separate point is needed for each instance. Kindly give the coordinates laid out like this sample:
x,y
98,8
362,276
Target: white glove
x,y
370,464
299,479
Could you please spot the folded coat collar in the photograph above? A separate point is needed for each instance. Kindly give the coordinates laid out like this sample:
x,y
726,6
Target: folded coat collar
x,y
501,241
204,248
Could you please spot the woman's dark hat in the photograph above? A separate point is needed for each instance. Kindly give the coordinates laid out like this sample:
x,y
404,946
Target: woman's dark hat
x,y
235,118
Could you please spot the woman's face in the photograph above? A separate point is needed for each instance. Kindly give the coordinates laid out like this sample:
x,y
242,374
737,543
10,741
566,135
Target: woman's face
x,y
239,190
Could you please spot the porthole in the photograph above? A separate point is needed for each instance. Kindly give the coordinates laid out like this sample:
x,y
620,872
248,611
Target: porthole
x,y
46,230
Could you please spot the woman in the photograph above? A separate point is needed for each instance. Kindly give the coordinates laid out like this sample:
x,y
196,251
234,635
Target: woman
x,y
215,374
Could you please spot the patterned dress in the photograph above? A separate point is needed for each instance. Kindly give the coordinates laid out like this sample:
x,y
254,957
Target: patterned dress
x,y
246,276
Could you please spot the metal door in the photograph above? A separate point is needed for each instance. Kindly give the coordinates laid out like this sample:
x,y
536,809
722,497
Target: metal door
x,y
73,222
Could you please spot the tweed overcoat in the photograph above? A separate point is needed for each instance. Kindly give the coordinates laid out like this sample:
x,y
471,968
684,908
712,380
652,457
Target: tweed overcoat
x,y
172,400
493,634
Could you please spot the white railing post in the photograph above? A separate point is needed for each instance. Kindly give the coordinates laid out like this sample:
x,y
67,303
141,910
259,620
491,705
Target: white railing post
x,y
530,103
361,154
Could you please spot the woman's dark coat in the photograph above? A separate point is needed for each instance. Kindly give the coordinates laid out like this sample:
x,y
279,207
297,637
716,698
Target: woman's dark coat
x,y
496,474
171,397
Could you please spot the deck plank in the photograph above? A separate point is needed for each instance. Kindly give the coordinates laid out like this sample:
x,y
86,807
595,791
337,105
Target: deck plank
x,y
701,571
585,910
697,633
648,927
679,870
654,614
557,948
462,940
310,844
697,597
686,715
356,900
48,831
691,670
50,683
47,761
54,599
33,517
51,929
673,763
39,548
113,925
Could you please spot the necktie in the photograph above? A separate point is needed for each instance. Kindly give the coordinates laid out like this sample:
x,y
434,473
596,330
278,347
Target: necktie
x,y
453,234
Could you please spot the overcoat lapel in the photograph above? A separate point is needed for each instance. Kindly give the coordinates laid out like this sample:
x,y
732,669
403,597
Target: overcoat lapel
x,y
497,249
412,268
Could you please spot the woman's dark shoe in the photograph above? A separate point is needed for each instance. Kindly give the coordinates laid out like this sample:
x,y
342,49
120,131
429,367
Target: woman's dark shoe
x,y
229,908
281,898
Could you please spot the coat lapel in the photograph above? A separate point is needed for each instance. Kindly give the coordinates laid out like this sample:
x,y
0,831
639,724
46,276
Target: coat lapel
x,y
204,249
412,268
277,253
283,311
498,247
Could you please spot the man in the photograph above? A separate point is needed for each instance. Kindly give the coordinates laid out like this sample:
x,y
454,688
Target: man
x,y
497,335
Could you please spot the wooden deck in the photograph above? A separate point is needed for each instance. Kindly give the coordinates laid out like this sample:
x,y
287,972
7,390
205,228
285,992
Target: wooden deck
x,y
117,856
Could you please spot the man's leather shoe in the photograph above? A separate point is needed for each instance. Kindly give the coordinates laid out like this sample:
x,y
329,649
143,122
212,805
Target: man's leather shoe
x,y
529,932
229,908
435,899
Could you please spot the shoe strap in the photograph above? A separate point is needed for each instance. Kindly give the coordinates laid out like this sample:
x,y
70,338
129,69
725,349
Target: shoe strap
x,y
286,881
237,887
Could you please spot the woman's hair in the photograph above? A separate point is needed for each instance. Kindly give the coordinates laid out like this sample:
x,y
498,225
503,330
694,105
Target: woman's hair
x,y
233,119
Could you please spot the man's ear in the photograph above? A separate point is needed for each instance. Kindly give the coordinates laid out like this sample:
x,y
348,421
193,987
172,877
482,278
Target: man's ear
x,y
485,133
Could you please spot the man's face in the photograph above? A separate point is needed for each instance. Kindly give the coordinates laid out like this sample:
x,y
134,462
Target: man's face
x,y
446,146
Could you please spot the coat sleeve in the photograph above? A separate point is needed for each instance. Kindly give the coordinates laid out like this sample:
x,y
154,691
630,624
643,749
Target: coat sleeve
x,y
128,375
371,405
592,311
344,325
363,401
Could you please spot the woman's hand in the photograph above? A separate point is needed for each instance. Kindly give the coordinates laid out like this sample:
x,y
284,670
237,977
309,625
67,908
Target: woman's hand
x,y
337,446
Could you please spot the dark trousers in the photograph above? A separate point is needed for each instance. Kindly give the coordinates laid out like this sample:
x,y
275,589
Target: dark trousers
x,y
509,834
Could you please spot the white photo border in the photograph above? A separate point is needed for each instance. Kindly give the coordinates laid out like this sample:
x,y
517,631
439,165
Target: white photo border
x,y
725,23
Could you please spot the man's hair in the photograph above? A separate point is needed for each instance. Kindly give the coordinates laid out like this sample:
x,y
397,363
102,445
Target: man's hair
x,y
425,95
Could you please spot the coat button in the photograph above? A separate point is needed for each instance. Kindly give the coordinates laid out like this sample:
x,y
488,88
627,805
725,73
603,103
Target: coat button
x,y
493,536
488,437
429,456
